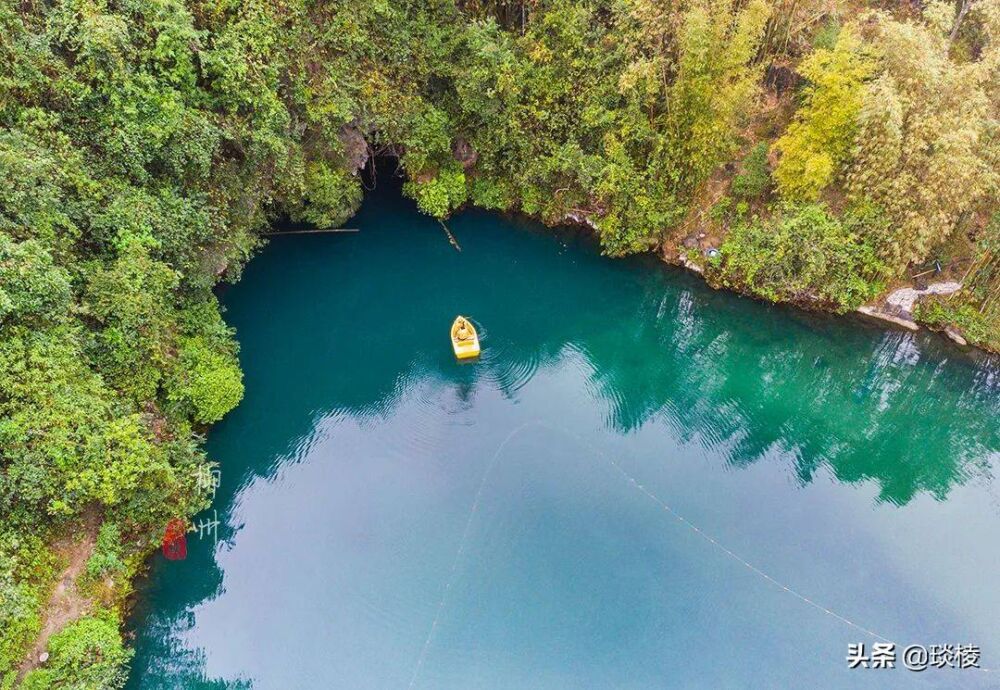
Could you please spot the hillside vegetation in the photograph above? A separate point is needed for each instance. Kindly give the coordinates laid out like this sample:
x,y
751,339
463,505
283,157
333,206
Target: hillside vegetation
x,y
826,149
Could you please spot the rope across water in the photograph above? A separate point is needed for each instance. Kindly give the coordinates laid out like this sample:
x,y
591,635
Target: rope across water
x,y
660,503
461,550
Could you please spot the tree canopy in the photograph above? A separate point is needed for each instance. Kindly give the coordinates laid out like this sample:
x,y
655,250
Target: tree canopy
x,y
144,145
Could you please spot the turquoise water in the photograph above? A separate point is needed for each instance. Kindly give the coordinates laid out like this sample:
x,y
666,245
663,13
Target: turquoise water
x,y
642,484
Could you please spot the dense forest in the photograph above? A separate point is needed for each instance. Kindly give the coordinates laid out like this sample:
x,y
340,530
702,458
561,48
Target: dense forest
x,y
813,151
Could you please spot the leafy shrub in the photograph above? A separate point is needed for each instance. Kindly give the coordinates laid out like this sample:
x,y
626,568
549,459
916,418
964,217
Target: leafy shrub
x,y
754,181
817,145
87,655
331,196
25,564
975,310
31,285
441,194
106,560
826,36
206,381
802,254
640,207
64,437
977,327
132,300
489,193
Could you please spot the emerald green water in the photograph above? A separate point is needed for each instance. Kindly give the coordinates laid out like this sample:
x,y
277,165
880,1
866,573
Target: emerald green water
x,y
617,495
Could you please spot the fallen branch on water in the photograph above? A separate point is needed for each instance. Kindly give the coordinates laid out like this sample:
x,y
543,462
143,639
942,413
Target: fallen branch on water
x,y
309,232
451,238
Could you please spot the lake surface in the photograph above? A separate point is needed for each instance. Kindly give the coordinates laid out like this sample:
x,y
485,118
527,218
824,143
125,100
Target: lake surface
x,y
643,483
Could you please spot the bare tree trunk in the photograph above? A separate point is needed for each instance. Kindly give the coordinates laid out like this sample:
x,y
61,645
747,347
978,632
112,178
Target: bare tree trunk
x,y
966,6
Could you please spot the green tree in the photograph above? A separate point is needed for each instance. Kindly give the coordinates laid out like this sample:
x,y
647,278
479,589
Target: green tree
x,y
440,194
132,300
803,254
754,180
32,287
818,144
206,381
331,196
88,655
715,86
923,148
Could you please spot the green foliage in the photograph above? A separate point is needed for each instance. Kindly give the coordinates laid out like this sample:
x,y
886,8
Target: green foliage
x,y
207,382
32,288
132,300
817,145
572,121
716,83
827,35
204,380
491,194
638,210
728,210
427,139
66,439
107,558
87,655
974,310
331,196
143,145
927,146
133,180
442,193
31,201
24,564
803,254
754,181
974,324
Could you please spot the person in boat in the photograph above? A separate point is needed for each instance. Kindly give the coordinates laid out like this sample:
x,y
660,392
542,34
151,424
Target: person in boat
x,y
463,332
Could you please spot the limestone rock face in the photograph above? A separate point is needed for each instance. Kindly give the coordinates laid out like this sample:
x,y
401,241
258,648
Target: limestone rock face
x,y
464,153
356,151
956,336
904,299
899,305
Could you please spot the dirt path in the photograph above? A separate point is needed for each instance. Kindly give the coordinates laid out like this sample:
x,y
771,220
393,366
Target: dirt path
x,y
66,604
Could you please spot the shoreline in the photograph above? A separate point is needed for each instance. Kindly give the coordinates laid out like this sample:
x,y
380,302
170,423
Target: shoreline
x,y
879,316
886,310
893,309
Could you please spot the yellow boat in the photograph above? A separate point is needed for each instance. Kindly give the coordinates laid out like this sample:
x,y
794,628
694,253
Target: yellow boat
x,y
464,339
